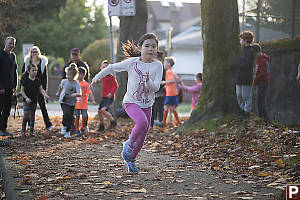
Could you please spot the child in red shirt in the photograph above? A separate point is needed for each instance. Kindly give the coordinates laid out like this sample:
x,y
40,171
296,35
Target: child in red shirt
x,y
109,88
261,79
81,105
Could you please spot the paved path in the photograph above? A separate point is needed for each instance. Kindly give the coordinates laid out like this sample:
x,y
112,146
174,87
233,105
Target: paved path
x,y
54,109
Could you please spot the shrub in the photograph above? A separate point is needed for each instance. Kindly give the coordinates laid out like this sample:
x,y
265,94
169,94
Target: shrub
x,y
94,53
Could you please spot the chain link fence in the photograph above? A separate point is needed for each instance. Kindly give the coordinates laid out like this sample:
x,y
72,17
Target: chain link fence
x,y
270,19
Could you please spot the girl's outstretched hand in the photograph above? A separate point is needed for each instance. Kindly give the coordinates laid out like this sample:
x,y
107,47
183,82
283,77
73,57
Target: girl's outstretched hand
x,y
93,83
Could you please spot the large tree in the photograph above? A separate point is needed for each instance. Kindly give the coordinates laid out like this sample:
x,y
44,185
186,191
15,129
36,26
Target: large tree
x,y
220,28
131,28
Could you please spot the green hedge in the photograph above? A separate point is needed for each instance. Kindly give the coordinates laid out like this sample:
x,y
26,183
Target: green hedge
x,y
281,45
95,53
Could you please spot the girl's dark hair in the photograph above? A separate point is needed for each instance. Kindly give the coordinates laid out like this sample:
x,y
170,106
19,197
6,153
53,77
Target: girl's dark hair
x,y
82,70
26,72
131,50
256,48
199,76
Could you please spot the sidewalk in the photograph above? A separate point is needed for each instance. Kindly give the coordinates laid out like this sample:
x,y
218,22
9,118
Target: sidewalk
x,y
54,109
53,168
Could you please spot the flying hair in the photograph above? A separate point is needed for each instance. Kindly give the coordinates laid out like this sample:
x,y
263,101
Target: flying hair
x,y
131,50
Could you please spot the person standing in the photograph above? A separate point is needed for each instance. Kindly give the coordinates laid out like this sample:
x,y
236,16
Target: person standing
x,y
171,99
8,82
34,57
158,106
261,79
68,90
244,76
81,105
195,90
144,78
31,88
75,58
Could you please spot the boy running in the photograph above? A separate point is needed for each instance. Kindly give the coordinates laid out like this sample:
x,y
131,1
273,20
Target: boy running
x,y
109,88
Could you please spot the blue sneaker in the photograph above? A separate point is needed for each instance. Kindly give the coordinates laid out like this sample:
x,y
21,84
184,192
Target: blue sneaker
x,y
6,133
67,135
63,130
127,150
78,133
131,166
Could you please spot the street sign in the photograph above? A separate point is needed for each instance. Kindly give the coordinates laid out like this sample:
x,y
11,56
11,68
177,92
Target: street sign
x,y
121,7
26,49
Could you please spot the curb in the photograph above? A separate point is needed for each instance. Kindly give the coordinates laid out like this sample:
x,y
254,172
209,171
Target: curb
x,y
6,176
9,181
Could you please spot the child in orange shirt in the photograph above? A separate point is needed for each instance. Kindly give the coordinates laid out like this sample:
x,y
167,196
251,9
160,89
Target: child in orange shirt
x,y
171,99
81,105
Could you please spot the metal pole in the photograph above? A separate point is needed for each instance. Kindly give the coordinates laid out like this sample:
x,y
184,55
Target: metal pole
x,y
293,19
244,14
258,20
112,59
111,41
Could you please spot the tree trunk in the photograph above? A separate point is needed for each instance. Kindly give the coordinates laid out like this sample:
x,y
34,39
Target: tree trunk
x,y
220,28
131,28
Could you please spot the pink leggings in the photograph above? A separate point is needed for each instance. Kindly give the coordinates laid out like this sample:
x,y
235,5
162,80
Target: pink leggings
x,y
142,118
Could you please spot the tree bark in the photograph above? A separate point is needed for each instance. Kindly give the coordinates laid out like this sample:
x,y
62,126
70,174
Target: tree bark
x,y
220,28
131,28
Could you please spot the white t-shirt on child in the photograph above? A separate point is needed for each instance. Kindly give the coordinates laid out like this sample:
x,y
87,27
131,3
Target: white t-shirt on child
x,y
138,91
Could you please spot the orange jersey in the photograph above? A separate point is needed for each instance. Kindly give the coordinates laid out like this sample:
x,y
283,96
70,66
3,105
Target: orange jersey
x,y
82,102
171,88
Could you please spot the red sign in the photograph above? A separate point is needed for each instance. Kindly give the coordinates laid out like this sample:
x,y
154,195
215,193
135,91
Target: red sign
x,y
293,192
113,2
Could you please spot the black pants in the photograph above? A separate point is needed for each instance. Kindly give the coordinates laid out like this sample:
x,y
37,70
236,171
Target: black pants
x,y
261,92
68,118
5,106
158,109
43,108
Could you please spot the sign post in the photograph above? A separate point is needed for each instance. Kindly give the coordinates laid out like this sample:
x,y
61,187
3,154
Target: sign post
x,y
118,8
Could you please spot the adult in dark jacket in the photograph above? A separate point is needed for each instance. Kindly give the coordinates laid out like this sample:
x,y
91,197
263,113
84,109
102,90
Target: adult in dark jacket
x,y
75,58
35,57
244,74
8,82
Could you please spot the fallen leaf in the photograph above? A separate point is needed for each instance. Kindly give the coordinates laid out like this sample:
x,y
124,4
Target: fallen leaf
x,y
143,190
280,162
44,197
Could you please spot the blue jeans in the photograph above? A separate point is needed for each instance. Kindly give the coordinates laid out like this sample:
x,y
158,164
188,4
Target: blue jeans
x,y
244,97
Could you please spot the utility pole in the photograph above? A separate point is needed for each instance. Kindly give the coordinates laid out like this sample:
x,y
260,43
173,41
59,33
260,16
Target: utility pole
x,y
258,20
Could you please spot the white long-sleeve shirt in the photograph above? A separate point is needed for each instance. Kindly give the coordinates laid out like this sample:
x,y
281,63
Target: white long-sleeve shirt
x,y
138,91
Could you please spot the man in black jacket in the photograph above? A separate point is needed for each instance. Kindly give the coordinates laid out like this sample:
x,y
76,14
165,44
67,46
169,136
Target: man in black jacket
x,y
244,68
75,58
8,82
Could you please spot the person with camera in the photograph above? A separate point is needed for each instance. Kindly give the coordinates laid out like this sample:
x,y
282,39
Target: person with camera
x,y
8,82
